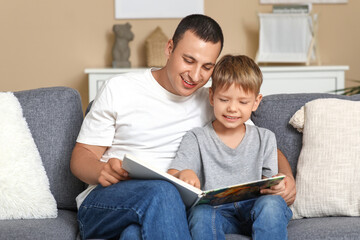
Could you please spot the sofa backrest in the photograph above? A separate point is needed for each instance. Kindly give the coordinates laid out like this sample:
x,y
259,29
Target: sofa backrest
x,y
54,116
274,113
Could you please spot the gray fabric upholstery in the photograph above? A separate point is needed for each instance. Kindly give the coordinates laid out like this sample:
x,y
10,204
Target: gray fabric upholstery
x,y
274,113
237,237
331,228
63,227
54,116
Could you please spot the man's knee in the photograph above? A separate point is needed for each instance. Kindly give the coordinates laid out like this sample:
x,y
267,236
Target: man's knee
x,y
132,231
163,188
163,192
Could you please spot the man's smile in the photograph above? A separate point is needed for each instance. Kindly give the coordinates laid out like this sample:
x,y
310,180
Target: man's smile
x,y
187,83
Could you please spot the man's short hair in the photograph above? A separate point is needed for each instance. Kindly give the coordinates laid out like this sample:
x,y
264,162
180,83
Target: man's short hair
x,y
241,70
202,26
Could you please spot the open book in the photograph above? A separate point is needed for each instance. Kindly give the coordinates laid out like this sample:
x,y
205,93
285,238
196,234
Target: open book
x,y
191,195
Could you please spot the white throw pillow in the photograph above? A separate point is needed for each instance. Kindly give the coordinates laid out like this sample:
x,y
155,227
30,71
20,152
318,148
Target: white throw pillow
x,y
24,186
328,169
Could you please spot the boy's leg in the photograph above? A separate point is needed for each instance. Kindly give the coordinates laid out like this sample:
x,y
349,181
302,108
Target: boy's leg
x,y
154,205
270,216
208,222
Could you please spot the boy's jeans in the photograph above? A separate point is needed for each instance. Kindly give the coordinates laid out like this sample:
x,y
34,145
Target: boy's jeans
x,y
144,209
265,217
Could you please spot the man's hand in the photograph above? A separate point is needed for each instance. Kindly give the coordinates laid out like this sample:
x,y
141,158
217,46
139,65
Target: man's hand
x,y
112,172
286,189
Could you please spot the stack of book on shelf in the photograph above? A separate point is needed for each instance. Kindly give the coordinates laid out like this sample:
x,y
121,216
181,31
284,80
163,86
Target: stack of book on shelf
x,y
292,8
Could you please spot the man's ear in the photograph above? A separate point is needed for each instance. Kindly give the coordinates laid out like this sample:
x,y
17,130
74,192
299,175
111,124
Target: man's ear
x,y
211,97
169,48
257,102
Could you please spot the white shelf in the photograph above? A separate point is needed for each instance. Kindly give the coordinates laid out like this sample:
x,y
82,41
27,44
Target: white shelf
x,y
289,79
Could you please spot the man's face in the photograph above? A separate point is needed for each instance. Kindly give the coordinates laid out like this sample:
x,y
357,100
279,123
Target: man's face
x,y
190,64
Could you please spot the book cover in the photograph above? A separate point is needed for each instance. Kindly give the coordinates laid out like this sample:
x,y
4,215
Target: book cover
x,y
191,195
238,192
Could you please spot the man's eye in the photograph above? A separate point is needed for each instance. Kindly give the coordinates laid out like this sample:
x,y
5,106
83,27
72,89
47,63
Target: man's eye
x,y
207,68
187,60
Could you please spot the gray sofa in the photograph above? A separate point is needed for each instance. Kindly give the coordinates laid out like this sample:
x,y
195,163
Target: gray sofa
x,y
54,116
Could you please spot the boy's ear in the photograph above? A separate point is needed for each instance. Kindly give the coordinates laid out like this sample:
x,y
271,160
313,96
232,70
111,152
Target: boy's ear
x,y
211,97
169,48
257,102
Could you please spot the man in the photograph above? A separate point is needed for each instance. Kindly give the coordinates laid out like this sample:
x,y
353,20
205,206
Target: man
x,y
146,115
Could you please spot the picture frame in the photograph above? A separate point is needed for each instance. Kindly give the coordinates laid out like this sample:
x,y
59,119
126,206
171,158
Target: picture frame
x,y
145,9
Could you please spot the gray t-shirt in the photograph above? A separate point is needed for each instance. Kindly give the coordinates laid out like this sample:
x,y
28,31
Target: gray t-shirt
x,y
218,165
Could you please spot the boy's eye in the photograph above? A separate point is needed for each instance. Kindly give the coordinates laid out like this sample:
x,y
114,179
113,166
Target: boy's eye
x,y
223,100
243,102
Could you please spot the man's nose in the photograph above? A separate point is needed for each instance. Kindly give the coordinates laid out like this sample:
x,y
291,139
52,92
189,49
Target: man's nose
x,y
195,75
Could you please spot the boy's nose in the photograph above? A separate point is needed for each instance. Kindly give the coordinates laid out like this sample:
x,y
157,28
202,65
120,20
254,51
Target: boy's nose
x,y
232,107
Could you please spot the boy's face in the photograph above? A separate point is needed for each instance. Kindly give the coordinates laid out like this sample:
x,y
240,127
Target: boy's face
x,y
233,106
190,64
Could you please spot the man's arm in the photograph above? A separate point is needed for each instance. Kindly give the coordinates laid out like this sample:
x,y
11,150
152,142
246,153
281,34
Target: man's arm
x,y
86,165
287,188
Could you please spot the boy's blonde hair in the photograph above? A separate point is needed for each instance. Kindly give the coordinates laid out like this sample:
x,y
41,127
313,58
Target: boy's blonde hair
x,y
241,70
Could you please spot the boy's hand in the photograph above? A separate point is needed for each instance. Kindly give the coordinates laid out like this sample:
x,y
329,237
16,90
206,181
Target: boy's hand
x,y
189,176
286,189
112,173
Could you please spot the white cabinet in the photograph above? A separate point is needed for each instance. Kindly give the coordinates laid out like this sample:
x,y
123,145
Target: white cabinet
x,y
97,76
297,79
303,79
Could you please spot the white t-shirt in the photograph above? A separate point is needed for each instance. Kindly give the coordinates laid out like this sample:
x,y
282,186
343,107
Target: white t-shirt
x,y
134,114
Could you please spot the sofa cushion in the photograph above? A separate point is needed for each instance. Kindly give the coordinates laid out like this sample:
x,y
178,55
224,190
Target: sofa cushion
x,y
274,113
329,163
24,186
63,227
330,228
54,116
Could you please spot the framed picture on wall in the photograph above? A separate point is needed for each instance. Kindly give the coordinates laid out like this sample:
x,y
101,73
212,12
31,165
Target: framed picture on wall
x,y
300,1
142,9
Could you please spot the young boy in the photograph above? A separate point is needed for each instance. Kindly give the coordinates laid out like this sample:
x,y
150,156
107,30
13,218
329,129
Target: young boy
x,y
226,152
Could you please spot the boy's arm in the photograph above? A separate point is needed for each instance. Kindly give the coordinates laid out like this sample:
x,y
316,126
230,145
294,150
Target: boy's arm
x,y
187,175
287,188
86,165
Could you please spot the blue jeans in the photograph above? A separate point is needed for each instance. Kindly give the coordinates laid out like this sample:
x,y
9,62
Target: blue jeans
x,y
265,217
142,209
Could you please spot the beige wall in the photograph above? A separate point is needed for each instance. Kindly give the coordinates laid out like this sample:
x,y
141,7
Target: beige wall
x,y
49,43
